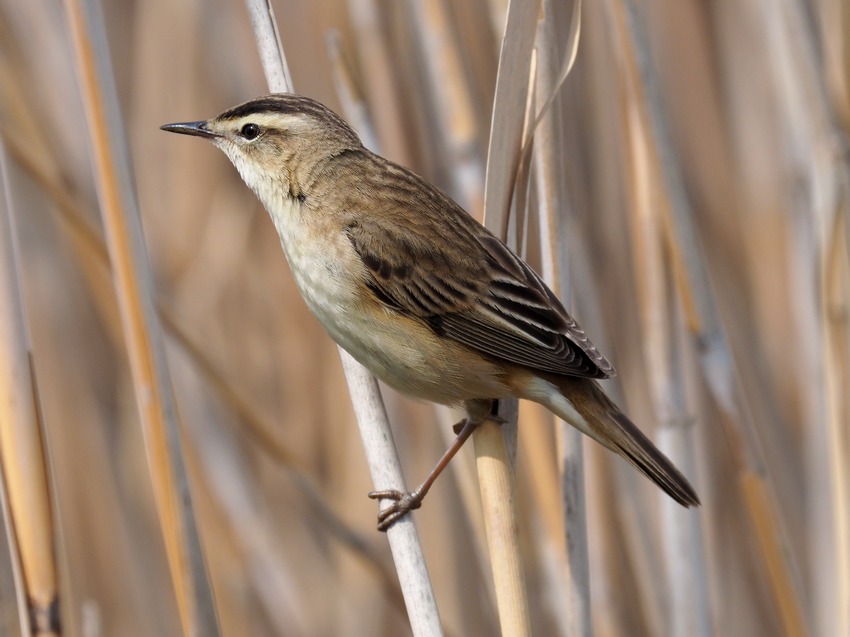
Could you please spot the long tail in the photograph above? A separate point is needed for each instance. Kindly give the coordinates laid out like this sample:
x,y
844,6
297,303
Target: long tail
x,y
603,421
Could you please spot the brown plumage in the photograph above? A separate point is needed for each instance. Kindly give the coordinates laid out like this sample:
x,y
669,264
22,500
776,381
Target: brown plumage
x,y
412,286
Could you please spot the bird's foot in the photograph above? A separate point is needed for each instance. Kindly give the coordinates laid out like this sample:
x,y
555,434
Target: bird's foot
x,y
403,504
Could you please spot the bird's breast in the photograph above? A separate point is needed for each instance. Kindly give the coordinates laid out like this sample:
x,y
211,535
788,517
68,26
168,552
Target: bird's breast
x,y
320,256
400,350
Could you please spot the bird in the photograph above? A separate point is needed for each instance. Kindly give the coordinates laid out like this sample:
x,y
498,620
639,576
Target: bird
x,y
417,290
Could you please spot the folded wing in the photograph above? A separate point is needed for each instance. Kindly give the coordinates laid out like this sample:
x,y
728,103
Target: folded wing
x,y
480,294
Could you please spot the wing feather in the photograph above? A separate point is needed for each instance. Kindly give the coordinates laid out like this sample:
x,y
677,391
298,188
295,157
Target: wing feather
x,y
475,291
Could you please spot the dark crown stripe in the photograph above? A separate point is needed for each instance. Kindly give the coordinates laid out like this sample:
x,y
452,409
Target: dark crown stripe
x,y
281,103
290,104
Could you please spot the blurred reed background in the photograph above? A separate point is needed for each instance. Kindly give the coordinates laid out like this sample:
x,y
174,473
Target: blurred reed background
x,y
703,149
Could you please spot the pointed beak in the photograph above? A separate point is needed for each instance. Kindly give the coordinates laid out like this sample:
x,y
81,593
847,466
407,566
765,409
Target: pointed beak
x,y
198,129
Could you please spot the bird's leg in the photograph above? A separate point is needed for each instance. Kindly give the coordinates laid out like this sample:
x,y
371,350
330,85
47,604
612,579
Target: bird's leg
x,y
406,502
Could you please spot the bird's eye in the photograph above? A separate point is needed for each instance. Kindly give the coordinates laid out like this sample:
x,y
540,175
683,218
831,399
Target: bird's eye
x,y
250,131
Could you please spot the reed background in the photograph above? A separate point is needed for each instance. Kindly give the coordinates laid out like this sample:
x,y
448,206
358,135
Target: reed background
x,y
740,126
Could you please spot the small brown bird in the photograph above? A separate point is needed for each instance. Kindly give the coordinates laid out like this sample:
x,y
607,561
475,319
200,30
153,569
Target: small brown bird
x,y
414,288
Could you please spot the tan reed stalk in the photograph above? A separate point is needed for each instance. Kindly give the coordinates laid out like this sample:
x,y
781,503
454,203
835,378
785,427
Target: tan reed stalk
x,y
501,519
144,342
261,429
12,585
703,322
813,112
366,398
373,53
509,111
94,260
495,466
761,144
835,290
689,610
451,103
451,114
22,447
557,39
355,113
809,118
762,513
349,96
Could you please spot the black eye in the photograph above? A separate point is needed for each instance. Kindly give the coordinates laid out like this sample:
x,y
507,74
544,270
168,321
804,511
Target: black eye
x,y
250,131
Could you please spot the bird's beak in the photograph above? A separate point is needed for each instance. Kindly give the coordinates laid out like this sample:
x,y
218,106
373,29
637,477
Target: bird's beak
x,y
199,129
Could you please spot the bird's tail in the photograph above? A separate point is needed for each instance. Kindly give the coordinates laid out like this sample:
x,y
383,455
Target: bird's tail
x,y
603,421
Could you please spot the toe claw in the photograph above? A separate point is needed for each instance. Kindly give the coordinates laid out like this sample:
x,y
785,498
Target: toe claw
x,y
403,504
387,518
386,494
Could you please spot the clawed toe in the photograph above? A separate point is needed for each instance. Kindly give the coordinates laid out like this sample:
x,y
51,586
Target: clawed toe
x,y
403,504
387,494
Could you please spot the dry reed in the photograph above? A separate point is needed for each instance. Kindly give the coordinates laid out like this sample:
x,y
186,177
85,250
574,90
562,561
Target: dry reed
x,y
695,215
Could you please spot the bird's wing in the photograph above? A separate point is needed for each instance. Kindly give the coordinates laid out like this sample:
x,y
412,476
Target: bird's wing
x,y
474,290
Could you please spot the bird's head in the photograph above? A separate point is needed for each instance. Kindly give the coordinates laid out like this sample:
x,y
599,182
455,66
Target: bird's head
x,y
277,142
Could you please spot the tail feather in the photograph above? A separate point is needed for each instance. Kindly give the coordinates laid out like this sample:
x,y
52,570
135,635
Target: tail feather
x,y
603,421
635,447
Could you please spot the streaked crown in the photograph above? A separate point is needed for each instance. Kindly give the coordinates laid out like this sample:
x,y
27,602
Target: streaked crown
x,y
278,142
289,113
